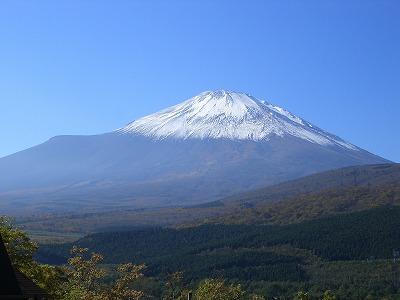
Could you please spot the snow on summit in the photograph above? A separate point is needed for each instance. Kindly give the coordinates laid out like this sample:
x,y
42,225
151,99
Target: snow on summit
x,y
228,115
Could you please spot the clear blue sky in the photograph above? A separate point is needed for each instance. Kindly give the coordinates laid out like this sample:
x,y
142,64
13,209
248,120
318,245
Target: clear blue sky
x,y
86,67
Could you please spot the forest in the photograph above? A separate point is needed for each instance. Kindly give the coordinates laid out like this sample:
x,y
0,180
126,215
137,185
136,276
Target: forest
x,y
348,253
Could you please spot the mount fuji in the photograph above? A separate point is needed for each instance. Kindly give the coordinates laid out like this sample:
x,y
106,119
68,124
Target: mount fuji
x,y
210,146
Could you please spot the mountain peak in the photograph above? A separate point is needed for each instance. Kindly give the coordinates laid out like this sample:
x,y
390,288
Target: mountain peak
x,y
229,115
227,94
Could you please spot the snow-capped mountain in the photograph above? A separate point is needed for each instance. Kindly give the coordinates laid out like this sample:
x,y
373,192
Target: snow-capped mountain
x,y
230,115
210,146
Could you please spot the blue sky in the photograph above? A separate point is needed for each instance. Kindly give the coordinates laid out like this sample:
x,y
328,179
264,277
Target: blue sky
x,y
86,67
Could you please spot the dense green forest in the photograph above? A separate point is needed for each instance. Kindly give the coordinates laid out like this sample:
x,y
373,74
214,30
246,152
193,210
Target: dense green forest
x,y
373,233
266,259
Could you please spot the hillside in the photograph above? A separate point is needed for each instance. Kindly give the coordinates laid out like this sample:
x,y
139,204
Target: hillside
x,y
312,197
366,175
314,206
